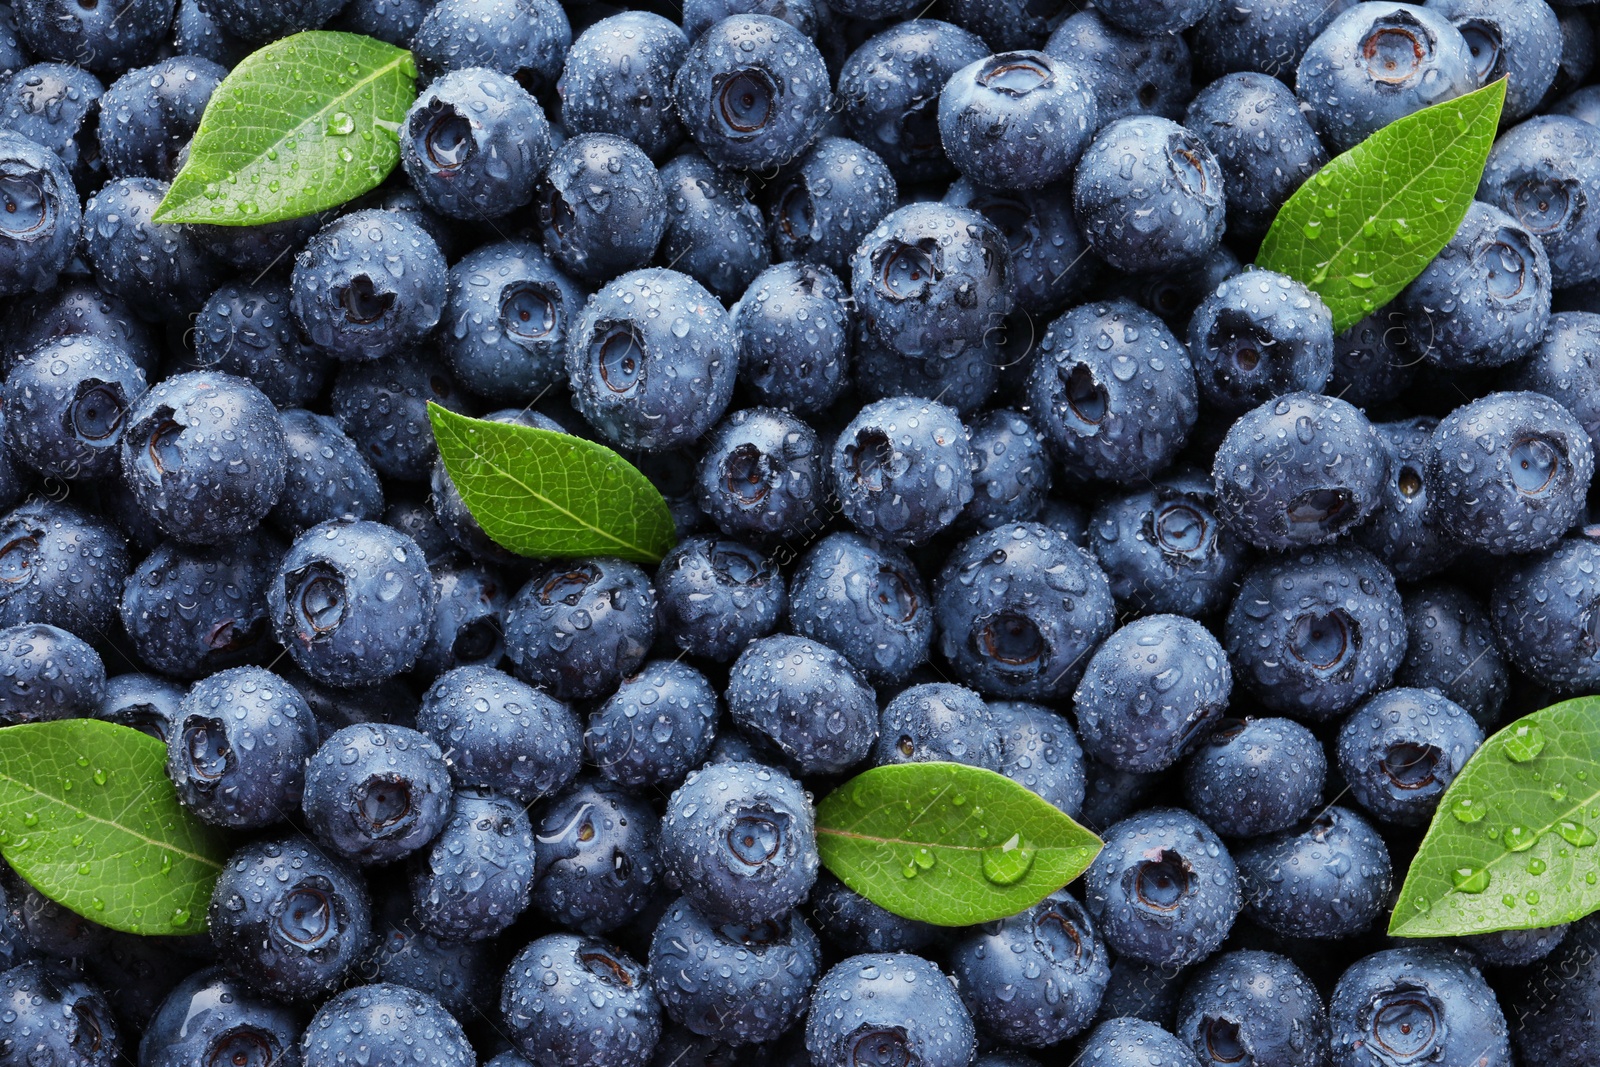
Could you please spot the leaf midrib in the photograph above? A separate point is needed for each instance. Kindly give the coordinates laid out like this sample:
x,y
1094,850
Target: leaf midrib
x,y
90,816
823,831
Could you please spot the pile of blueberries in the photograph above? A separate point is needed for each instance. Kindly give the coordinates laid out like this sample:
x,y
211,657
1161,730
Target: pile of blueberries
x,y
934,324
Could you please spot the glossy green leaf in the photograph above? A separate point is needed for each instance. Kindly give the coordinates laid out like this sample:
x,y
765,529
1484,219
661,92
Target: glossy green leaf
x,y
541,493
1361,228
89,818
306,123
949,844
1512,845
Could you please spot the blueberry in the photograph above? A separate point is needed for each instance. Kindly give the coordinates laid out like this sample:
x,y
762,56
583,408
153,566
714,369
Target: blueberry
x,y
1131,73
453,972
383,407
937,722
327,478
1417,1003
1016,120
65,567
805,698
902,469
1155,16
602,207
793,334
1374,360
1563,367
716,595
1038,749
1516,948
1544,173
161,269
500,733
47,674
1255,776
1019,608
1011,478
714,233
855,924
1299,470
760,475
599,857
826,201
1402,530
1151,692
965,382
865,600
888,1008
42,220
1035,978
527,39
1376,63
1256,1008
468,620
77,308
1164,889
472,880
1269,38
1113,390
656,728
148,115
1545,616
1551,1016
1147,991
146,702
1260,335
741,982
394,21
1508,473
55,1018
573,1001
1052,264
57,106
1263,142
368,285
1174,295
1519,41
376,793
101,39
652,360
289,919
1326,878
246,330
618,79
245,19
384,1023
578,627
65,406
474,143
1450,647
352,602
1400,751
212,1018
417,521
1165,211
1129,1042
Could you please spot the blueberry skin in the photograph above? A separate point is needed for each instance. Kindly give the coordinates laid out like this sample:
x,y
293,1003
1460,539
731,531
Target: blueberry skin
x,y
1151,692
54,1018
577,628
146,702
1403,530
715,595
902,469
1565,366
474,143
793,333
760,476
931,280
1011,479
65,404
1130,73
1016,120
1422,1002
1155,16
472,880
1516,948
1484,300
259,250
289,919
618,79
527,39
150,114
500,733
51,104
573,1001
383,407
1400,751
937,722
1545,173
1255,776
854,924
259,25
1552,1018
1544,618
1299,470
67,567
892,1005
1019,608
1052,264
1039,750
48,674
656,728
1374,360
805,698
456,973
1173,169
416,519
1520,41
889,91
602,207
1324,879
652,360
1164,549
192,611
1450,647
1256,1003
1266,38
247,330
162,270
77,308
1174,295
101,39
1260,335
714,233
1508,473
394,21
327,478
1143,991
737,982
387,1024
211,1017
966,381
738,840
369,285
806,16
1035,978
468,620
866,600
40,229
827,201
1264,145
599,857
1114,391
376,793
1311,634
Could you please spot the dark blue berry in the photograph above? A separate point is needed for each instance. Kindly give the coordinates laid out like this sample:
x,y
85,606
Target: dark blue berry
x,y
716,595
714,233
827,201
212,1018
891,1007
866,600
1256,1008
384,1023
472,880
577,628
246,330
474,143
1418,1002
1403,530
1399,752
148,115
618,79
902,469
162,270
1327,878
760,475
602,207
1016,120
40,227
146,702
656,728
499,733
1450,647
383,407
1543,173
573,1001
468,620
64,566
1131,73
1545,617
47,673
805,698
599,857
55,1018
376,793
527,39
1255,776
1260,335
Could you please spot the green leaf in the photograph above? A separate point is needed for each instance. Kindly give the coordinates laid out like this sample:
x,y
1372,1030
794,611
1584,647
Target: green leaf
x,y
304,124
89,818
1512,845
1361,228
541,493
949,844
